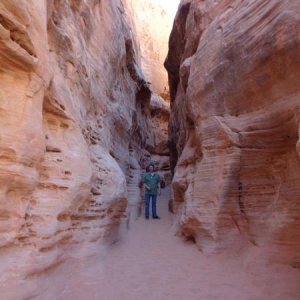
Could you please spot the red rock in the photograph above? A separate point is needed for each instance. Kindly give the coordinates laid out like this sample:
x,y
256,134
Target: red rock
x,y
75,121
234,125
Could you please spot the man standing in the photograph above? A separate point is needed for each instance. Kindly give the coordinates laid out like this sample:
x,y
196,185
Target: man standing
x,y
152,188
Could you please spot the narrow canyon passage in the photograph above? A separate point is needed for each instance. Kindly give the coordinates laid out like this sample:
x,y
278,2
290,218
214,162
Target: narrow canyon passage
x,y
94,92
151,263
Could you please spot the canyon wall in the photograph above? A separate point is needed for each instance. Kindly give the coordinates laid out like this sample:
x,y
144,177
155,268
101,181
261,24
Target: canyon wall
x,y
234,71
154,20
75,123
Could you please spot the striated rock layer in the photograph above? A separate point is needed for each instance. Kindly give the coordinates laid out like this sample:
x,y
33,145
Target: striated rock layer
x,y
75,123
234,71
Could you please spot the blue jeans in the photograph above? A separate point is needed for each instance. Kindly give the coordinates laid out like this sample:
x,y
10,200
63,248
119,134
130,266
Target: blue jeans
x,y
147,205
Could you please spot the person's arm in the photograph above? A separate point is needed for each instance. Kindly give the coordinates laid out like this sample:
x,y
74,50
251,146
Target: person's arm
x,y
158,185
144,183
159,190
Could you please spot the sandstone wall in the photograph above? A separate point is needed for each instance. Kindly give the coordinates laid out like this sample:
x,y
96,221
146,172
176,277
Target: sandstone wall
x,y
75,120
234,129
153,23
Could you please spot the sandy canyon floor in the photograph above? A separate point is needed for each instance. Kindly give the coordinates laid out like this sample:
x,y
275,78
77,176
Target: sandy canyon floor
x,y
152,263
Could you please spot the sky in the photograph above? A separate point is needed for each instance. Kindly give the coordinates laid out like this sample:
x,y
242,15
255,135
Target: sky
x,y
170,5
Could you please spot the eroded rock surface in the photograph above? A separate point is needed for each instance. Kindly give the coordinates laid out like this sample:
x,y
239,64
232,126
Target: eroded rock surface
x,y
234,127
153,23
75,121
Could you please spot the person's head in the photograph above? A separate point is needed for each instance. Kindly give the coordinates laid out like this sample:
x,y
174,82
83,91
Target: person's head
x,y
151,168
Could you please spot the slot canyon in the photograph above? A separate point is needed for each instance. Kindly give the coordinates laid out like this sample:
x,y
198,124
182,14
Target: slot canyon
x,y
94,91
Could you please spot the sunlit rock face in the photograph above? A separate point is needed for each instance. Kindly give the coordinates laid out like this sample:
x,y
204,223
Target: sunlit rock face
x,y
234,128
153,22
75,123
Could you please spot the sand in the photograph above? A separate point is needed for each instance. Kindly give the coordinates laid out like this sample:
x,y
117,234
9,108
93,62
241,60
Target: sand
x,y
151,263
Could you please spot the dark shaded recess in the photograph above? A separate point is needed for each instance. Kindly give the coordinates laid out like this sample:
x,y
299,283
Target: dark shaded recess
x,y
185,74
176,49
190,122
173,155
160,113
53,149
135,131
143,91
191,238
296,265
241,202
143,95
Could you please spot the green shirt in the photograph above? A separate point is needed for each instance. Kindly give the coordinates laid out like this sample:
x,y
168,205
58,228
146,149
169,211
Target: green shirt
x,y
152,180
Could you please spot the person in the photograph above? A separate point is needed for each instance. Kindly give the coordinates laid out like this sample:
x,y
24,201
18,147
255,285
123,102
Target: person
x,y
151,182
